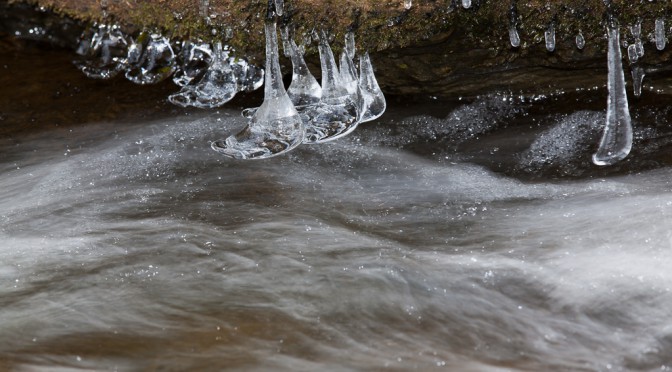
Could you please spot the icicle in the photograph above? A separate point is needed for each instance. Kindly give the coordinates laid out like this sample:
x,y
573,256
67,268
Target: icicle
x,y
348,75
304,89
408,4
637,51
336,114
372,101
660,33
194,61
350,44
151,59
276,126
580,41
104,51
284,36
279,7
215,88
617,137
633,56
466,4
549,36
637,79
514,38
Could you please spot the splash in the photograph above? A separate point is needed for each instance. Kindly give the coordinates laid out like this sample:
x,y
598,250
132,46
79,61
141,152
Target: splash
x,y
151,59
103,49
372,102
336,114
276,126
617,137
217,86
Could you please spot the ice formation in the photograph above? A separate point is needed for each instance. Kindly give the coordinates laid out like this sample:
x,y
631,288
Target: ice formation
x,y
276,126
216,87
549,37
372,102
151,59
580,41
408,4
514,38
466,4
304,88
336,114
637,79
193,61
617,136
660,33
103,48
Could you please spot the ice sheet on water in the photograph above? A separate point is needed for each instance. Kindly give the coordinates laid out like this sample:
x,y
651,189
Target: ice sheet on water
x,y
660,34
617,137
372,102
193,60
103,50
216,87
150,59
336,115
276,126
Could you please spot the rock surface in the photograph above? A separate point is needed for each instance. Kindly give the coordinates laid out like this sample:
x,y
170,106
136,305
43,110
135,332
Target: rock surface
x,y
433,48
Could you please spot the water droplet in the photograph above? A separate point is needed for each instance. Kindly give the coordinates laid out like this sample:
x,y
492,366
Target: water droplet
x,y
617,137
276,126
660,34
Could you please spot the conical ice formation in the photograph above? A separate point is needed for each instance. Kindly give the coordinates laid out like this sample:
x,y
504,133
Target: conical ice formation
x,y
217,86
103,49
304,89
336,114
276,126
372,102
151,59
617,137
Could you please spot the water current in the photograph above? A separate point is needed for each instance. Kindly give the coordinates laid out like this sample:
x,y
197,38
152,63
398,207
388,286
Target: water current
x,y
463,235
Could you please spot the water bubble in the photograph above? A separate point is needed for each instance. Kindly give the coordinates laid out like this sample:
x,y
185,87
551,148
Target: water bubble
x,y
617,136
276,126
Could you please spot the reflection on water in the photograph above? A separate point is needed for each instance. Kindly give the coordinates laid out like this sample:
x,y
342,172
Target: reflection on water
x,y
417,243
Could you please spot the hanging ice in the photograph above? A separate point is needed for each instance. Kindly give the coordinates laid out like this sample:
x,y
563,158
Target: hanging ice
x,y
348,75
217,86
466,4
617,137
637,79
371,99
660,34
408,4
103,49
580,41
304,89
151,59
279,7
194,59
336,114
350,44
514,38
276,127
549,36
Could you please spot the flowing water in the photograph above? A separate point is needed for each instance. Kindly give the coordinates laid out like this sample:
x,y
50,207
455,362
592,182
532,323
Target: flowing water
x,y
462,235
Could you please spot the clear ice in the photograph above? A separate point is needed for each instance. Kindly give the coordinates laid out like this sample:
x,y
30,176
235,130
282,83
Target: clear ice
x,y
350,44
103,49
466,4
304,88
194,59
617,137
514,38
637,79
372,102
660,34
150,59
549,36
279,7
580,41
348,75
336,115
248,76
408,4
276,126
217,86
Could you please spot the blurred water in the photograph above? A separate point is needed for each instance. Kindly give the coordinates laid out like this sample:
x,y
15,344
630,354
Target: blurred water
x,y
133,246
